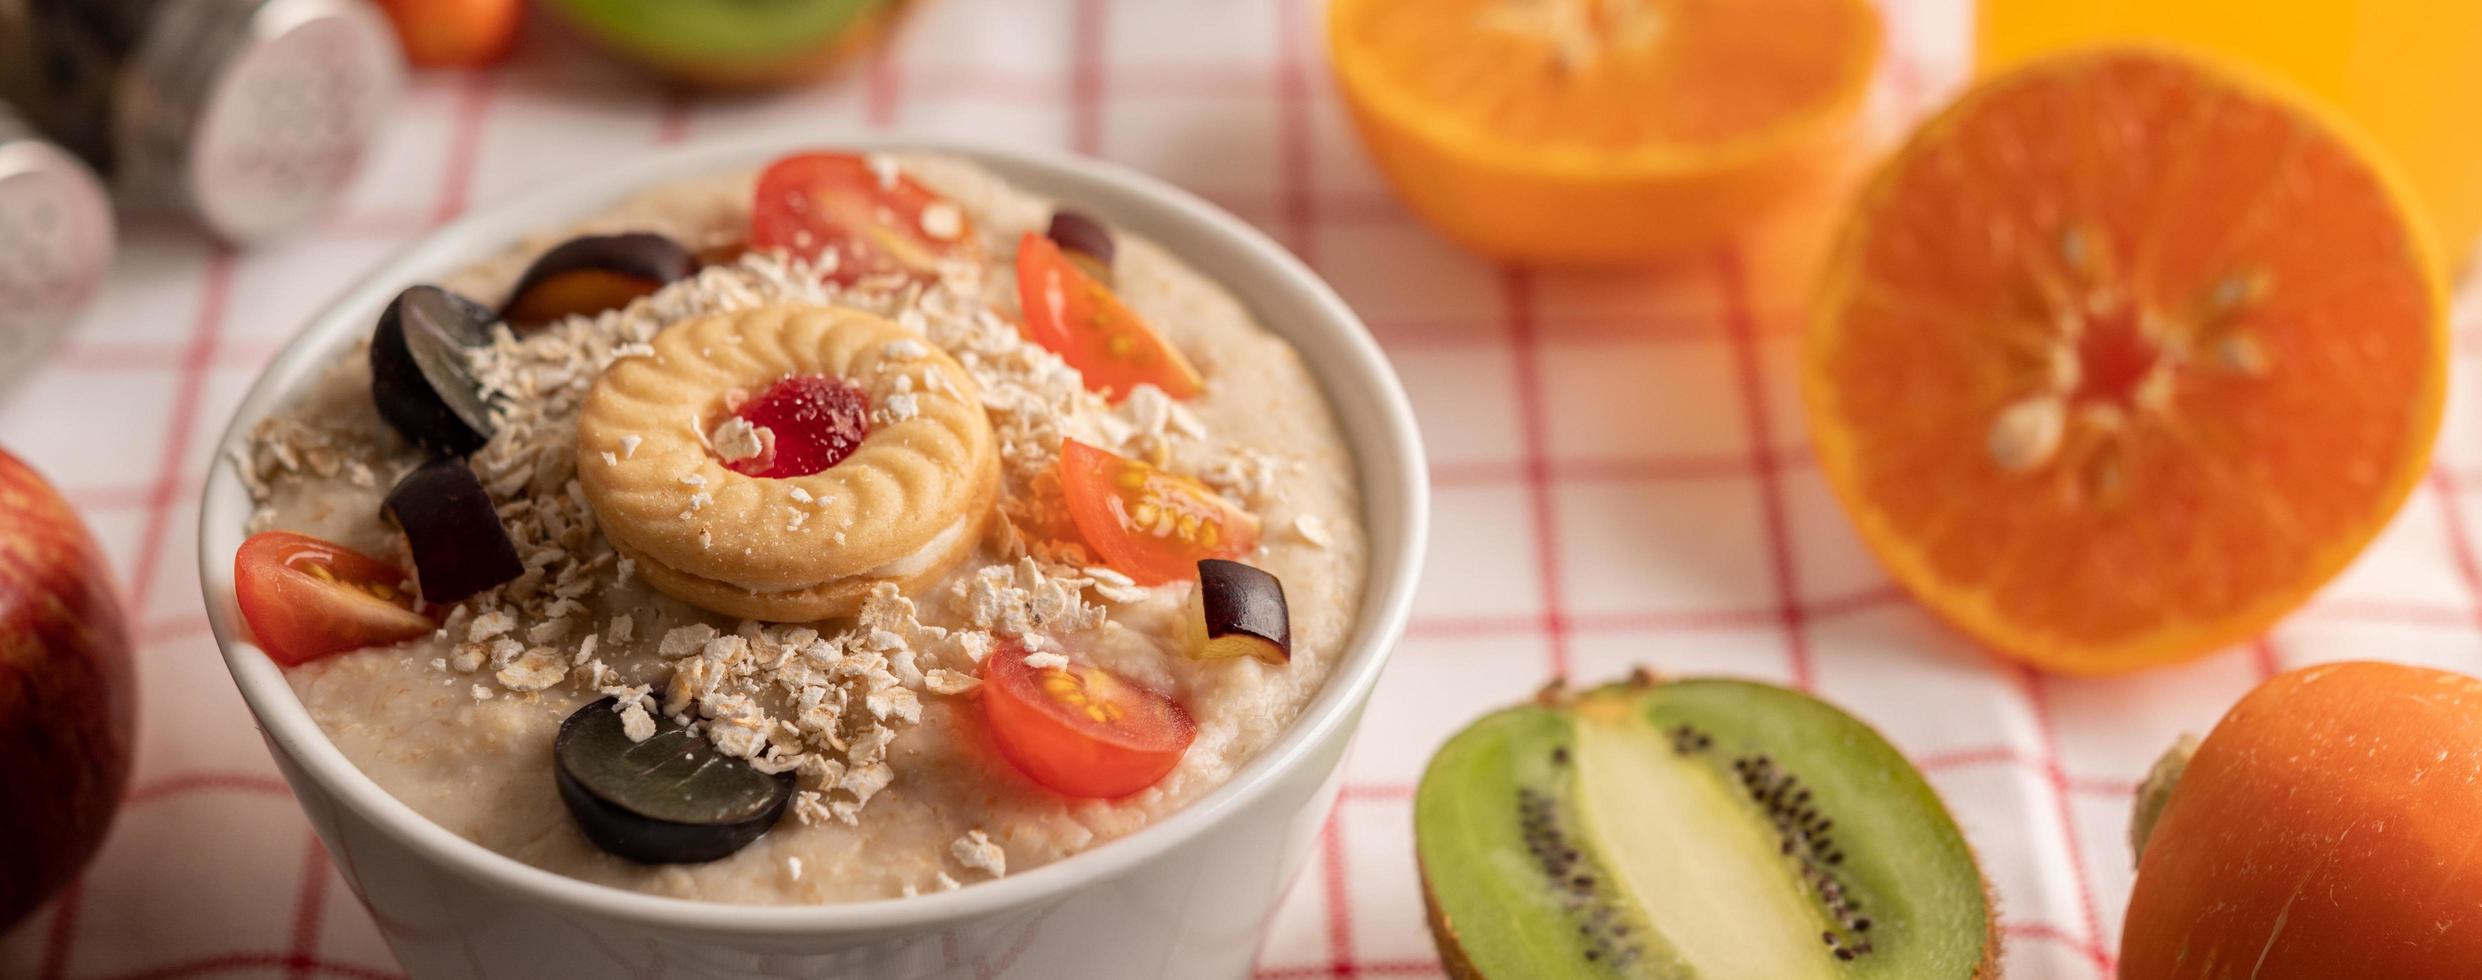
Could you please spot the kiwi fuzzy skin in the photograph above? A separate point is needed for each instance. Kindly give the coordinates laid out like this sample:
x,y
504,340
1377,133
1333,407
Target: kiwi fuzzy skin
x,y
1457,964
1452,958
1989,968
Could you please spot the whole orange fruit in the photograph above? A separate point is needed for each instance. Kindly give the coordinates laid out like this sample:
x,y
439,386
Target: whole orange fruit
x,y
2324,829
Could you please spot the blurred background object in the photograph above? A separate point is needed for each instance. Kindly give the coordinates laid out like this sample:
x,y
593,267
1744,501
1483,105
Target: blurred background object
x,y
56,243
2407,72
1602,131
730,43
246,116
455,33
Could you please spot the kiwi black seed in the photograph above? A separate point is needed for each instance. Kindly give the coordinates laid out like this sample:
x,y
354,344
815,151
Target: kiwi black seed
x,y
1681,829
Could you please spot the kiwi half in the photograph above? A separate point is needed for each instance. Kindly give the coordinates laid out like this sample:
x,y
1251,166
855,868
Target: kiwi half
x,y
1693,829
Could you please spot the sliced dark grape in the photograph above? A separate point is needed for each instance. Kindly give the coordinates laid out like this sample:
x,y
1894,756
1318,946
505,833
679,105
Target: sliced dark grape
x,y
671,799
722,253
452,530
1087,242
419,377
1239,611
586,276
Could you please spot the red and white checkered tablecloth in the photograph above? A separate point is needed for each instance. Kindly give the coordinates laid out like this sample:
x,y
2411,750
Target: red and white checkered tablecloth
x,y
1621,457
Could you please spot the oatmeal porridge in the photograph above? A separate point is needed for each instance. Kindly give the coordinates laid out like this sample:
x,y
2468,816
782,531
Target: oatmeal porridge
x,y
855,529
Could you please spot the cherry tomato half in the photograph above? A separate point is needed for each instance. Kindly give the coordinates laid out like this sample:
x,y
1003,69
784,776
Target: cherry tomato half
x,y
1078,318
1081,730
305,598
812,204
1150,525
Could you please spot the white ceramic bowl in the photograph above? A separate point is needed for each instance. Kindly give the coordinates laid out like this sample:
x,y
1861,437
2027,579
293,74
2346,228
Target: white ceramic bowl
x,y
1189,896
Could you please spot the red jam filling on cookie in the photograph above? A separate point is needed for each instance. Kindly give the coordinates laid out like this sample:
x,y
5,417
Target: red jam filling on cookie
x,y
801,425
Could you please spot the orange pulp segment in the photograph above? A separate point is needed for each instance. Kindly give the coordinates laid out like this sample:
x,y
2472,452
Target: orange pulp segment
x,y
1599,131
2122,356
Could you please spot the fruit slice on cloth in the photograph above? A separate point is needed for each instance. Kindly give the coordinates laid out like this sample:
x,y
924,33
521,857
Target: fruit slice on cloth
x,y
2122,357
1696,828
1601,130
2325,828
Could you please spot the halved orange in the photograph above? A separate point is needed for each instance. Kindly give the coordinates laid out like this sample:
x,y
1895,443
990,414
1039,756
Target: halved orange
x,y
2122,356
1601,130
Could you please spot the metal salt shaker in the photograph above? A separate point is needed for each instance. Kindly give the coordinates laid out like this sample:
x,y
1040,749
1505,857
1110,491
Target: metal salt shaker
x,y
247,116
56,243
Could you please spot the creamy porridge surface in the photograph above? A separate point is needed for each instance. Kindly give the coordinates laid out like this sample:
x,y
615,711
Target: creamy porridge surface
x,y
460,725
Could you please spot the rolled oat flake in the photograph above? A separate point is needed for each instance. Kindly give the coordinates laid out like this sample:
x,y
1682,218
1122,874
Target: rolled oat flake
x,y
56,242
246,116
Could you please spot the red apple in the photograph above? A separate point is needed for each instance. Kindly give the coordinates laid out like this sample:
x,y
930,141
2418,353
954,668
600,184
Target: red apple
x,y
67,698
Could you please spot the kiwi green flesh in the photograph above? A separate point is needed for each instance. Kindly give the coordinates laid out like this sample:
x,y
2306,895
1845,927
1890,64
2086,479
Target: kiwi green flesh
x,y
1683,874
718,29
